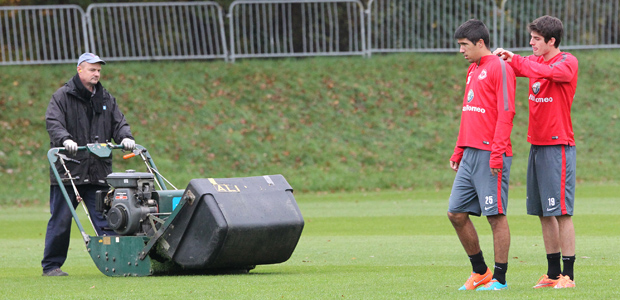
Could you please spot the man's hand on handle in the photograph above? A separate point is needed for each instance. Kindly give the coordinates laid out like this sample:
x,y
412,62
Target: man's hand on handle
x,y
70,146
128,144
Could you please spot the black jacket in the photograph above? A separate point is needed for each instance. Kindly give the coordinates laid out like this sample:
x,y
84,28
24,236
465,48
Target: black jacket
x,y
67,117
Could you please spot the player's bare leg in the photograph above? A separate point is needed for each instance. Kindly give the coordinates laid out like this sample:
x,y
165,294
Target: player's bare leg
x,y
551,234
567,235
567,243
466,232
468,236
501,245
501,237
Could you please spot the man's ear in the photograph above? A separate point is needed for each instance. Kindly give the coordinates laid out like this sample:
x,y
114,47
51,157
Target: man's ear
x,y
551,42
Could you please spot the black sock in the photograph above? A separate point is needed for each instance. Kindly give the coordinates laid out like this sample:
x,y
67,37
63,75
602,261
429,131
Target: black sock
x,y
554,267
500,272
477,263
569,262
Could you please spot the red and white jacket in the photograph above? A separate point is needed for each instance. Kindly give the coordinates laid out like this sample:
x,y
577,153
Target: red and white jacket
x,y
488,110
551,93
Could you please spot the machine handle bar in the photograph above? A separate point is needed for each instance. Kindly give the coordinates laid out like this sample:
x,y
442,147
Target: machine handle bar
x,y
82,148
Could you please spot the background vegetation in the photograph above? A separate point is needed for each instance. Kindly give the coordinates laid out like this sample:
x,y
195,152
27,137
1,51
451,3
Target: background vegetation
x,y
326,124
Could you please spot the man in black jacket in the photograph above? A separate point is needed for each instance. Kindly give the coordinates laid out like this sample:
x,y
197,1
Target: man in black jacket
x,y
79,113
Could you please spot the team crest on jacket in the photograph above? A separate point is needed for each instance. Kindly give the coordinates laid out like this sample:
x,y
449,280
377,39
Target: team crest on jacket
x,y
483,74
470,95
536,88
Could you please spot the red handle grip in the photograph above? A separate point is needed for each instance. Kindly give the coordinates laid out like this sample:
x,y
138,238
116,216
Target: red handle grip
x,y
130,155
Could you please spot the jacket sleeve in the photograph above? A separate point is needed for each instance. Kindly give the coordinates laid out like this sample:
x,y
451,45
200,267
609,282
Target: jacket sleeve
x,y
120,127
562,71
457,155
55,120
505,95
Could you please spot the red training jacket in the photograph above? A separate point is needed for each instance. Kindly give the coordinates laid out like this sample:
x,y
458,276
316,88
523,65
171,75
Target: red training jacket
x,y
551,93
488,110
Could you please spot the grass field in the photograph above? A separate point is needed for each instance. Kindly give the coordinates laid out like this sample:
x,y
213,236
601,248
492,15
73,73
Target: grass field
x,y
374,245
375,133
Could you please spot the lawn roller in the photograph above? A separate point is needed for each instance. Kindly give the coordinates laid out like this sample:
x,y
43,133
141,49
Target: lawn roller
x,y
215,225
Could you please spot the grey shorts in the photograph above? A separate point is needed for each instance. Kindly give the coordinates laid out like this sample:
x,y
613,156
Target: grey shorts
x,y
551,180
475,190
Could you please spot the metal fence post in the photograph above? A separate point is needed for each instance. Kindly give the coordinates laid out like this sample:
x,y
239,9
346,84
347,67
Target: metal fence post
x,y
322,28
41,34
157,30
423,26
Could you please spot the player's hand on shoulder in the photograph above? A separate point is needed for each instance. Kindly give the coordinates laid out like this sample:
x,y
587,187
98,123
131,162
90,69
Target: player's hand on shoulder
x,y
498,51
504,54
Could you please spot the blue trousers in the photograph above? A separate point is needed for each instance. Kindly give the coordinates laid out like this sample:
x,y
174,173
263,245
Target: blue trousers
x,y
59,226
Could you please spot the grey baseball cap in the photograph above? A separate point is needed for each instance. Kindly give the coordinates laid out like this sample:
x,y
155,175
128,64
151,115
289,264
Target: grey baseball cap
x,y
90,58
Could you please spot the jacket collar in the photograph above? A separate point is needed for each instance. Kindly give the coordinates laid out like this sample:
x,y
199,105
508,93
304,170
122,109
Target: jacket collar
x,y
78,90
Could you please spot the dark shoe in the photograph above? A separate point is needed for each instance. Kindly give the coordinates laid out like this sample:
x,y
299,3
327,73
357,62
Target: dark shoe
x,y
55,272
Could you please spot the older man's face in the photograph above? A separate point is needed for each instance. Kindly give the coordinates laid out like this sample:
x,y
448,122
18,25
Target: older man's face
x,y
89,73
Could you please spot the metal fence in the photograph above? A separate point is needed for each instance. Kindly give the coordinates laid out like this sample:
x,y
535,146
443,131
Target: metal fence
x,y
146,31
405,25
41,34
587,23
278,28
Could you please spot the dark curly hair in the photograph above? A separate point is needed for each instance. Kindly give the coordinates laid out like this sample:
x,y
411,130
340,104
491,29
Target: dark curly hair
x,y
473,30
548,27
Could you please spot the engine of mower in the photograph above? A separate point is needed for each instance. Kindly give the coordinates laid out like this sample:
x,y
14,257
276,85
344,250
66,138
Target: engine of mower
x,y
129,202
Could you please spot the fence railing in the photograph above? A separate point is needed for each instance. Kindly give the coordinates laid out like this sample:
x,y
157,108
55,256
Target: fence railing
x,y
587,23
41,34
405,25
280,28
147,31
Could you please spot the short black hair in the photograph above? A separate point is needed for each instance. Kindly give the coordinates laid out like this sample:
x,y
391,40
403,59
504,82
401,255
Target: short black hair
x,y
549,27
473,30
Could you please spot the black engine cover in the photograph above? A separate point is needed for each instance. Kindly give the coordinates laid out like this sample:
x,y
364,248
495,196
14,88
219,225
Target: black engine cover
x,y
234,222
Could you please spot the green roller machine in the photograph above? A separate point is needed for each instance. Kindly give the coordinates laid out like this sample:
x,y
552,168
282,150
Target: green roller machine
x,y
215,225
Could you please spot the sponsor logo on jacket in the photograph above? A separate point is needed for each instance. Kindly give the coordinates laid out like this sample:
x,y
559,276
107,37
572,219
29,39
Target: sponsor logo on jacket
x,y
540,100
474,109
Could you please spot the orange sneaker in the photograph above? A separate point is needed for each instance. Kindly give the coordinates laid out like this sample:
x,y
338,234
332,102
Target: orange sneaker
x,y
475,280
564,282
545,282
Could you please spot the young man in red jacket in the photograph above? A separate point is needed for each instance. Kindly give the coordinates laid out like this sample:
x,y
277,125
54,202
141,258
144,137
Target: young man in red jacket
x,y
552,163
483,155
